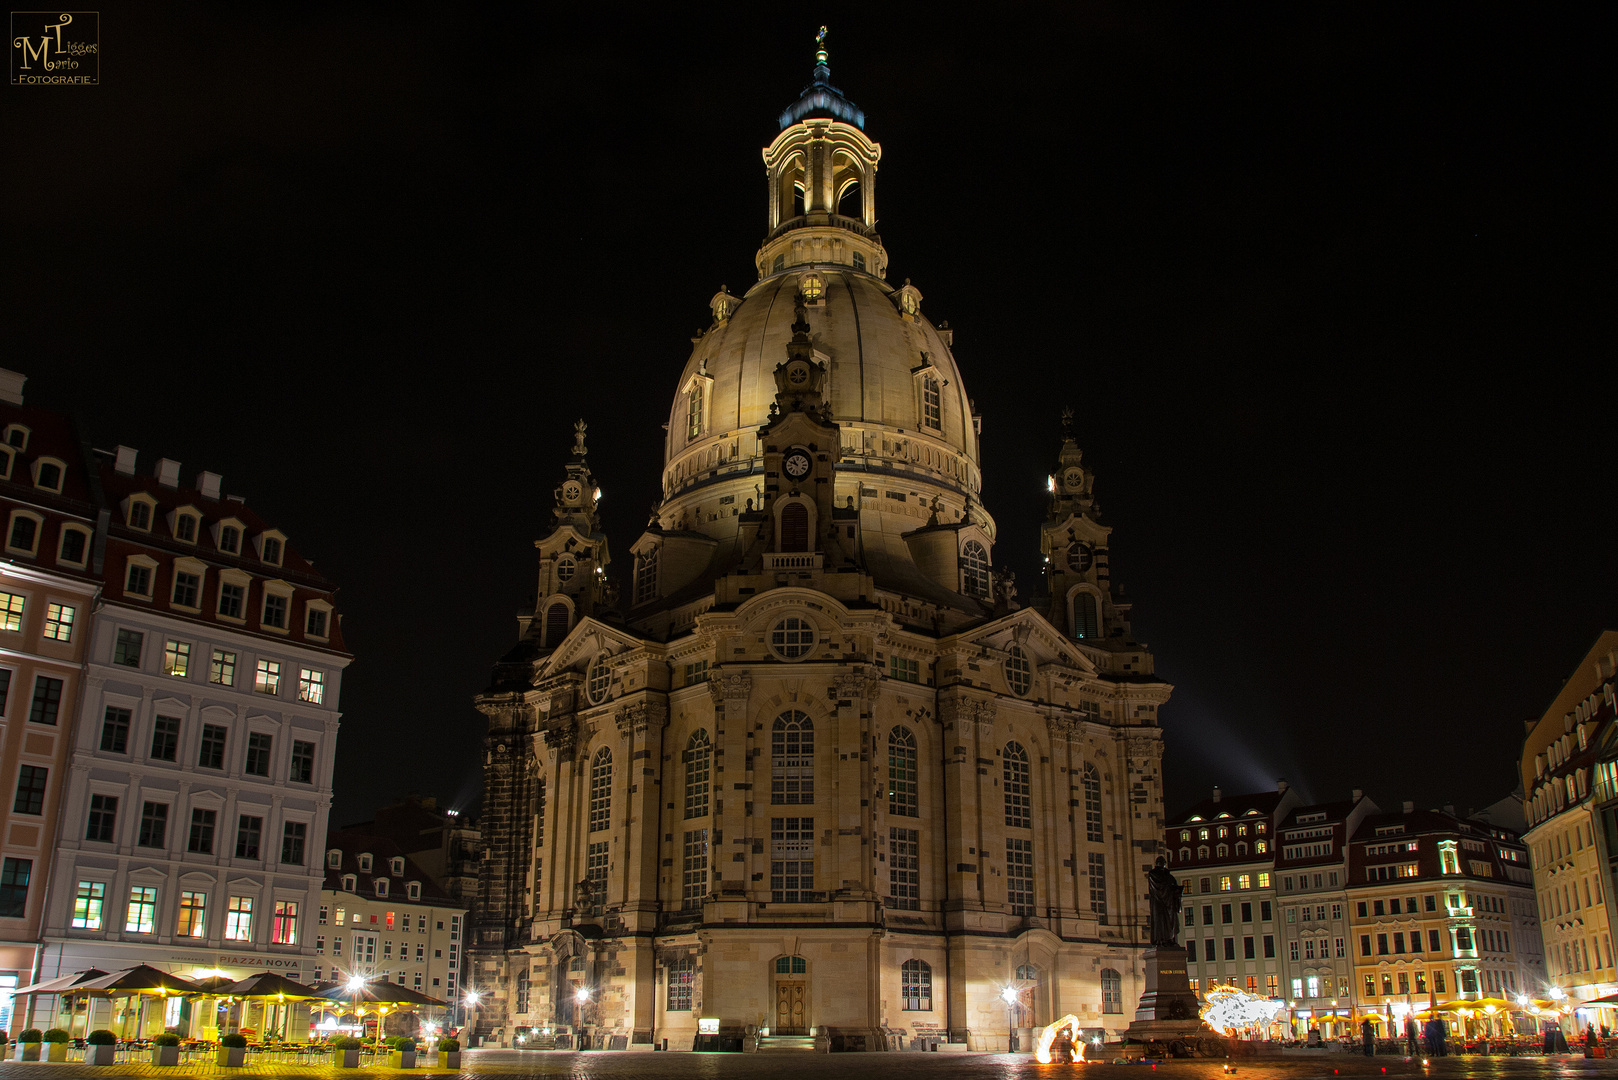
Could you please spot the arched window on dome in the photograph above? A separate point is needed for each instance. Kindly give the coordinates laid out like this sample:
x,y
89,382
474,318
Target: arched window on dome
x,y
902,772
1015,780
792,760
693,421
557,621
601,790
1086,616
698,761
646,576
932,404
975,570
795,527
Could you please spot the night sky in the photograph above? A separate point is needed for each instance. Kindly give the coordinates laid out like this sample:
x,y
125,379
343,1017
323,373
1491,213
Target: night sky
x,y
1330,287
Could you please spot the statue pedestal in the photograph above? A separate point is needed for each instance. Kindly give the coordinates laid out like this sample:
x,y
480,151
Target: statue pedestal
x,y
1168,1013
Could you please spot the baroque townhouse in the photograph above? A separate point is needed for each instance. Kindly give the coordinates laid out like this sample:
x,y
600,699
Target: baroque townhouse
x,y
1310,857
49,581
202,752
1440,908
819,774
383,918
1222,850
1570,781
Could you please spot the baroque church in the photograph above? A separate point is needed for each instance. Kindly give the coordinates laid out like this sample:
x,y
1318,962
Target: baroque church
x,y
817,777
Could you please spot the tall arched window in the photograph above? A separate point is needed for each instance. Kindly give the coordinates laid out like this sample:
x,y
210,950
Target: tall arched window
x,y
556,620
916,986
932,413
1028,973
539,814
794,527
1092,804
693,424
792,760
646,576
902,772
974,569
1112,991
1016,782
1086,617
698,761
601,790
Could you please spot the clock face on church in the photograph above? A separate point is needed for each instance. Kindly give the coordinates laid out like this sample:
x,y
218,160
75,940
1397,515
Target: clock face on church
x,y
796,465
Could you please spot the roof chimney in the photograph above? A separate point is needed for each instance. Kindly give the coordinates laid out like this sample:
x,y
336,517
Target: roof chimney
x,y
167,472
208,483
1410,807
1358,795
1281,787
1449,808
1216,793
11,386
124,462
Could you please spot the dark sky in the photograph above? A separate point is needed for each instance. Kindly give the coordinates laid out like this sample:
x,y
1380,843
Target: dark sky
x,y
1329,285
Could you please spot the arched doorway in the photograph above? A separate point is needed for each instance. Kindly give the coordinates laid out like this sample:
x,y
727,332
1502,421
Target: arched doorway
x,y
790,976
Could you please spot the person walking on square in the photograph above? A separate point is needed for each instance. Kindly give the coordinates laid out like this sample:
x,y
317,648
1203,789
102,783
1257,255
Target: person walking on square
x,y
1368,1037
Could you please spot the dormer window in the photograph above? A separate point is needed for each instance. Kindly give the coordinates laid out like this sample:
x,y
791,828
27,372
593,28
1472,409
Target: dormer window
x,y
230,539
381,886
932,409
8,457
138,512
813,287
396,865
350,883
48,474
365,862
139,575
17,435
334,858
270,545
693,412
185,527
646,576
317,620
975,570
22,537
413,890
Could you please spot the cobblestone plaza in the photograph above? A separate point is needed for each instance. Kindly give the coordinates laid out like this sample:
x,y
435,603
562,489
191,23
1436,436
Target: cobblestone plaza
x,y
607,1065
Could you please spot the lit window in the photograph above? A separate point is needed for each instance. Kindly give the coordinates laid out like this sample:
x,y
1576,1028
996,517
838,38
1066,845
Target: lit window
x,y
11,609
1224,883
792,760
222,670
285,930
975,570
267,678
239,919
599,680
1019,672
177,658
311,685
792,638
59,622
812,286
142,917
88,903
193,915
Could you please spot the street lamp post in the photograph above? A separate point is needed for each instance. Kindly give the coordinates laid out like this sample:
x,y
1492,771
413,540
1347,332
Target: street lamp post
x,y
581,998
355,985
471,1002
1009,995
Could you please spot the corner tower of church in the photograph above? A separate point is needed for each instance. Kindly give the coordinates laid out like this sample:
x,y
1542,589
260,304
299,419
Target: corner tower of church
x,y
817,777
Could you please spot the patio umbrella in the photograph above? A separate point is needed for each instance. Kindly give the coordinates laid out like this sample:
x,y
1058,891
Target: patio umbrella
x,y
140,982
379,993
268,984
60,982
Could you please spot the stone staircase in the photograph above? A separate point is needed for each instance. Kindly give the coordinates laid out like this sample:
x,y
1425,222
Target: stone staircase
x,y
798,1044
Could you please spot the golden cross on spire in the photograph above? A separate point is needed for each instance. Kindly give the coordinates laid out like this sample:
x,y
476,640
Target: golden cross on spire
x,y
820,46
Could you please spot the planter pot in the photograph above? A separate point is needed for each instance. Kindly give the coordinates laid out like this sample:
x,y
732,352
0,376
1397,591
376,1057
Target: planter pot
x,y
56,1051
27,1052
99,1055
449,1059
165,1055
346,1059
230,1056
402,1059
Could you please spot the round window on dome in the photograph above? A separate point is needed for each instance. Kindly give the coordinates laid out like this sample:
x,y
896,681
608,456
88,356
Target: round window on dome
x,y
1019,672
812,286
792,638
599,681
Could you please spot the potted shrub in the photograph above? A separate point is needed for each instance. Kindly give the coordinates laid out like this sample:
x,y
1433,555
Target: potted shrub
x,y
345,1051
56,1041
402,1052
28,1040
100,1046
449,1053
165,1048
232,1050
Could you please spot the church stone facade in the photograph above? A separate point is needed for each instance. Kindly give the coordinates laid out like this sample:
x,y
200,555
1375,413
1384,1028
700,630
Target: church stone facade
x,y
817,775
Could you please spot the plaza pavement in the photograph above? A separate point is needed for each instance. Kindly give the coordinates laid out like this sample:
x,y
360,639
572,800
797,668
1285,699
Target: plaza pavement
x,y
610,1065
